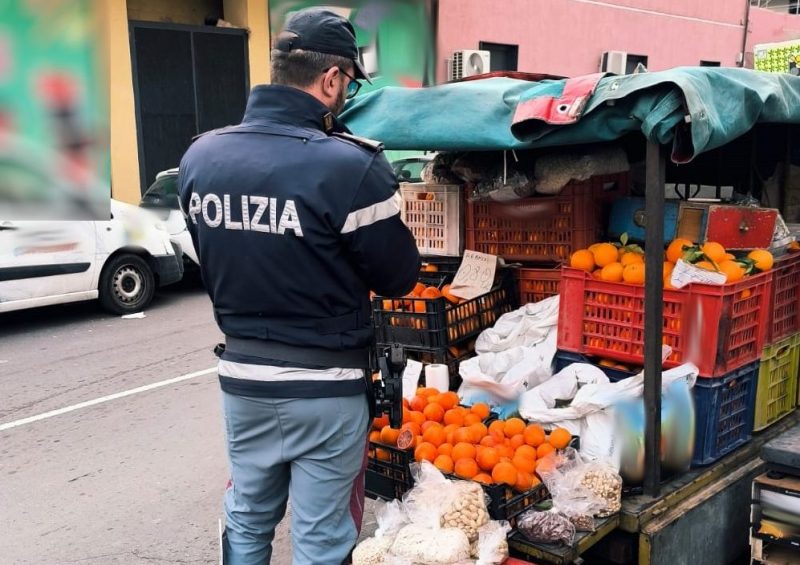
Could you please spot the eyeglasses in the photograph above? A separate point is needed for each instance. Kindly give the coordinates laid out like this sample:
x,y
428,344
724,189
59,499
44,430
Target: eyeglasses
x,y
352,87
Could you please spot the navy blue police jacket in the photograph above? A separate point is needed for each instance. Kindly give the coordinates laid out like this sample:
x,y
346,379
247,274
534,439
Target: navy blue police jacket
x,y
293,228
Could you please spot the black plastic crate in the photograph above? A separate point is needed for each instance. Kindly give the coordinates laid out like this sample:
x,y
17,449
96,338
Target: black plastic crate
x,y
391,478
433,324
446,269
565,358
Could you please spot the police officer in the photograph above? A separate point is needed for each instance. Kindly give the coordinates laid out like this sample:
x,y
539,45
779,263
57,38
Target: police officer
x,y
295,221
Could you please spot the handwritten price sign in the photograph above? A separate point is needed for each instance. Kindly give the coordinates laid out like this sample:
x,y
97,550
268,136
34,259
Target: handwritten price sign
x,y
475,276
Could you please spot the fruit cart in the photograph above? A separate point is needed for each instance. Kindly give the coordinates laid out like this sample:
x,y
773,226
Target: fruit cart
x,y
680,124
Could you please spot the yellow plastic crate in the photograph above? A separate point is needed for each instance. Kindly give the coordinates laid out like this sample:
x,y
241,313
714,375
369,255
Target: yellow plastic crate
x,y
776,394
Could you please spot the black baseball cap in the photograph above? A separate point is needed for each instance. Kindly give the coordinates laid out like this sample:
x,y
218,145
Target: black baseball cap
x,y
323,31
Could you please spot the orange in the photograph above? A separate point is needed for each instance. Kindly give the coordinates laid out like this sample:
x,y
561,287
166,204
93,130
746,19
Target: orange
x,y
631,257
445,449
466,468
524,464
488,441
389,435
713,251
676,249
418,288
448,400
435,435
517,441
544,450
418,403
505,451
379,422
505,473
434,412
416,417
597,274
462,435
496,429
427,391
431,292
413,427
513,426
444,463
430,268
479,431
428,424
526,451
732,270
463,450
471,418
605,254
524,481
634,273
481,409
483,478
668,268
449,296
534,435
450,430
560,438
763,259
425,451
582,259
705,265
612,272
488,458
454,417
383,454
374,435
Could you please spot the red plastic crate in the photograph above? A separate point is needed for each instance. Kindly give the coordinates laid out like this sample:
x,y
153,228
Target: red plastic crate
x,y
537,283
544,228
784,303
718,328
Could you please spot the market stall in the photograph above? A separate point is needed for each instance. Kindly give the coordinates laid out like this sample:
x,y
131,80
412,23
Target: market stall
x,y
547,165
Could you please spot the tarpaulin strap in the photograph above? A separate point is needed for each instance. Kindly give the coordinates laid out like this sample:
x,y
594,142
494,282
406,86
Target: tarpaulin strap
x,y
562,110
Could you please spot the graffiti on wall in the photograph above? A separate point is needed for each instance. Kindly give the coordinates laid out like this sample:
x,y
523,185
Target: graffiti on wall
x,y
395,37
54,159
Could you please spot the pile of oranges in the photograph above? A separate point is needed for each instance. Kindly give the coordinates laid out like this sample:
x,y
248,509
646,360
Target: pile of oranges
x,y
415,300
457,441
617,262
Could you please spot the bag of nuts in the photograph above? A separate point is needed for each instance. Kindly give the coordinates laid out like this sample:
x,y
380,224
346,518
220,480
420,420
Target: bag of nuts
x,y
467,509
606,484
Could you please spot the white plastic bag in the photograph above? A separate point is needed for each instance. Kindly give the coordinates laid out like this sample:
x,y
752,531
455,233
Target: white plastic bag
x,y
492,544
442,546
562,386
508,374
390,518
525,326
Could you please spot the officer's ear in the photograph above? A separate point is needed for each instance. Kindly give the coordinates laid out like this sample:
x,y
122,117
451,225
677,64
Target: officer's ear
x,y
331,83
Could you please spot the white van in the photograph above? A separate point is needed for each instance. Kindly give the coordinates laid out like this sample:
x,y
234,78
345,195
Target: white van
x,y
121,261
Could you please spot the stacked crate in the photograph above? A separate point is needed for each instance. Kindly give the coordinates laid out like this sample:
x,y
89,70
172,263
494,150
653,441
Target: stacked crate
x,y
776,394
541,232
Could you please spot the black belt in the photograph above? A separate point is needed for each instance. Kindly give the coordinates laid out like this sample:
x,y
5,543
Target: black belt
x,y
301,355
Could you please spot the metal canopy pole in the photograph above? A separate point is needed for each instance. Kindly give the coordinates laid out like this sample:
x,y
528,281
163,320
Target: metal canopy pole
x,y
653,314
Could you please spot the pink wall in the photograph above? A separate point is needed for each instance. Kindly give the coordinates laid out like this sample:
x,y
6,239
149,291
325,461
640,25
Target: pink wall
x,y
568,37
767,26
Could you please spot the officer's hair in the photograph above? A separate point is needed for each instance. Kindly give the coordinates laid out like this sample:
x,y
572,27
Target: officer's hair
x,y
301,68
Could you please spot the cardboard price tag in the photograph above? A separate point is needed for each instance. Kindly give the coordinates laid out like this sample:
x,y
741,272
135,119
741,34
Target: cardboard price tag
x,y
475,276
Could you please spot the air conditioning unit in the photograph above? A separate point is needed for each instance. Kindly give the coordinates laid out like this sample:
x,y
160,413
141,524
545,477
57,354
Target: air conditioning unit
x,y
467,63
614,62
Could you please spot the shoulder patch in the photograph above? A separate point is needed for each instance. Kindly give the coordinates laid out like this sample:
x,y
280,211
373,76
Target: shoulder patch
x,y
366,143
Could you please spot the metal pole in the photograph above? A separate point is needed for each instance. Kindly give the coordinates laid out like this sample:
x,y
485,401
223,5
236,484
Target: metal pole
x,y
653,314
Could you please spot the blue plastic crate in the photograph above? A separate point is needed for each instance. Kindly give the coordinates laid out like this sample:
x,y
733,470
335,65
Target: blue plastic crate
x,y
627,215
725,407
565,358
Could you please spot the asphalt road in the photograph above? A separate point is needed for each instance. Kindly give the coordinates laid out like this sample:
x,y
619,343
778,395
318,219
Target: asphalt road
x,y
136,479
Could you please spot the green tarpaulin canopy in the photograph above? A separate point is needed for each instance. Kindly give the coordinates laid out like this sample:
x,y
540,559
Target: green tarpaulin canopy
x,y
695,109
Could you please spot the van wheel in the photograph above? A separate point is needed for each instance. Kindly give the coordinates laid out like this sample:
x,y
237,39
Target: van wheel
x,y
127,285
